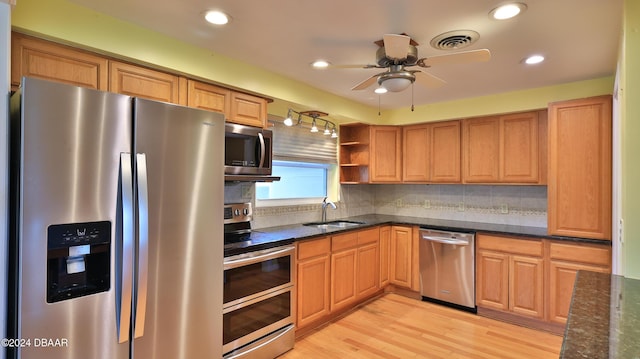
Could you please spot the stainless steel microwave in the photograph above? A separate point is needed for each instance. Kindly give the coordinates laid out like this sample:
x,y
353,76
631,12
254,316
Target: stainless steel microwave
x,y
247,150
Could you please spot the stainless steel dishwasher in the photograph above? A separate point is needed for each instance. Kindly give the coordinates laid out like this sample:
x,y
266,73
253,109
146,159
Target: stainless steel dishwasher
x,y
447,268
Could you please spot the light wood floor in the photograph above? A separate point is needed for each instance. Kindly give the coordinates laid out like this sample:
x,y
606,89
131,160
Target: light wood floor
x,y
394,326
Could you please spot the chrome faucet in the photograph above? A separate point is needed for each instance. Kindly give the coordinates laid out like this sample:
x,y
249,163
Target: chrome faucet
x,y
325,203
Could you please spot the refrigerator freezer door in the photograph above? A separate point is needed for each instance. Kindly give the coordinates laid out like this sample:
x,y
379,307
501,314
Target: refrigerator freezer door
x,y
71,140
184,164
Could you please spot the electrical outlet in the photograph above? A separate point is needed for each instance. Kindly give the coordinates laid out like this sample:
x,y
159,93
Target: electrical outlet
x,y
621,231
399,202
461,207
504,208
426,204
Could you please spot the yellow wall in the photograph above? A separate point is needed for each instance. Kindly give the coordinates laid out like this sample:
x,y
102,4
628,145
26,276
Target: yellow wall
x,y
629,97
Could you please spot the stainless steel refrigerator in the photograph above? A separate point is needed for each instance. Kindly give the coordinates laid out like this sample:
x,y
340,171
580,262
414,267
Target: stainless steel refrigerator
x,y
116,227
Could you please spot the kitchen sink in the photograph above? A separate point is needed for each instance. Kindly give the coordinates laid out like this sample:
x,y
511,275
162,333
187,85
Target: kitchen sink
x,y
333,224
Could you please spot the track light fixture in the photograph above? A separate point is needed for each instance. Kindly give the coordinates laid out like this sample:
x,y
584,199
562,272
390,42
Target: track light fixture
x,y
330,128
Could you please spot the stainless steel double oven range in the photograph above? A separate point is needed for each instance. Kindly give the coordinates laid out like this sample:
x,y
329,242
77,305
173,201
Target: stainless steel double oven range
x,y
258,310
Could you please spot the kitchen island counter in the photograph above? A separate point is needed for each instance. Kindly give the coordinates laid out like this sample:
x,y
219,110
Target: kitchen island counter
x,y
604,319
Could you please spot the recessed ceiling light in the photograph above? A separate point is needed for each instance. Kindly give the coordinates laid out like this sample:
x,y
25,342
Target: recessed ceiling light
x,y
216,17
534,59
507,11
320,64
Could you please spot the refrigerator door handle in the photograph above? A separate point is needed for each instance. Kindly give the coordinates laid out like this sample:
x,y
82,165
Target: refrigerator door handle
x,y
143,244
124,277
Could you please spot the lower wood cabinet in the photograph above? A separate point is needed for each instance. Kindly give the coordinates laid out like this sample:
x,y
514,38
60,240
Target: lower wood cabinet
x,y
335,273
403,249
313,283
385,248
510,275
565,260
533,278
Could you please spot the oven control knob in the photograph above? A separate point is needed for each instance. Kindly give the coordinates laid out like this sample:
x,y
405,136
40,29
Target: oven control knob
x,y
236,212
245,211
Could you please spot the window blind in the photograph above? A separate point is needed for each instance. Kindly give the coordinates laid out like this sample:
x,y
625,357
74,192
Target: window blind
x,y
297,143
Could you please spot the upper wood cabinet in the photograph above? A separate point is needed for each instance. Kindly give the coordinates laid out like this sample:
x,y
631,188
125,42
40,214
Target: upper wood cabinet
x,y
431,152
386,161
503,149
208,97
48,60
142,82
248,110
579,189
42,59
354,153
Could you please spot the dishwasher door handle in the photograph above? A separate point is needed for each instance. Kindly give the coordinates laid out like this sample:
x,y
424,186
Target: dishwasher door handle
x,y
444,240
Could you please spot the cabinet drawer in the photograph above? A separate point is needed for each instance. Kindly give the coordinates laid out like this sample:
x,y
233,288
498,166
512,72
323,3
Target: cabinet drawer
x,y
368,236
314,248
344,241
514,245
580,253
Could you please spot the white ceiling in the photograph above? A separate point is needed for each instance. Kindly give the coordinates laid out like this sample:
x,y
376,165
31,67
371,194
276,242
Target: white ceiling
x,y
579,39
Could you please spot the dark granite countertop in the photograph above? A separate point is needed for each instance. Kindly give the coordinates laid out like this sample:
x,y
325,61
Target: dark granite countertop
x,y
604,319
263,238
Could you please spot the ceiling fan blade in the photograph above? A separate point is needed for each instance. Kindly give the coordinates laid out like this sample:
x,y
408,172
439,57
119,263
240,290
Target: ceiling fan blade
x,y
428,80
463,57
396,47
366,83
368,66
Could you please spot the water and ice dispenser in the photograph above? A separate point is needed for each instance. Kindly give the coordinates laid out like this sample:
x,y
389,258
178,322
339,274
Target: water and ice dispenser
x,y
78,260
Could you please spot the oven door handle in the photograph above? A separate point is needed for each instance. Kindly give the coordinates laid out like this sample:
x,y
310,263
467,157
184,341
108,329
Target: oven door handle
x,y
256,257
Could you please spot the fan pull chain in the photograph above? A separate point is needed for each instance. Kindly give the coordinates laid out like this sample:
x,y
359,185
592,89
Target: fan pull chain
x,y
412,97
379,105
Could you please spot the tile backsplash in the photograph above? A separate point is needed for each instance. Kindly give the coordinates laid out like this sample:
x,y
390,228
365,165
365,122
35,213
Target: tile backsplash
x,y
515,205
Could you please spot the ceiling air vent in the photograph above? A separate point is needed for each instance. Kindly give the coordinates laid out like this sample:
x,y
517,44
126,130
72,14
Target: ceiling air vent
x,y
454,40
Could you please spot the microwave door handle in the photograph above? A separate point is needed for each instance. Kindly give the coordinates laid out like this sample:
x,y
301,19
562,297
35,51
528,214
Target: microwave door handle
x,y
262,150
143,244
124,276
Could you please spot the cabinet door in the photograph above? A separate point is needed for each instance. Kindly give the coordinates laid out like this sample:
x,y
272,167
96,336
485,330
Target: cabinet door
x,y
416,153
248,110
562,276
519,148
385,240
209,97
138,81
400,265
526,276
343,278
42,59
312,289
385,154
579,185
313,280
481,150
367,281
445,152
492,280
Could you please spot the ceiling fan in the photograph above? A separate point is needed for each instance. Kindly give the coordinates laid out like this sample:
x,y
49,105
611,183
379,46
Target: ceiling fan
x,y
398,52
